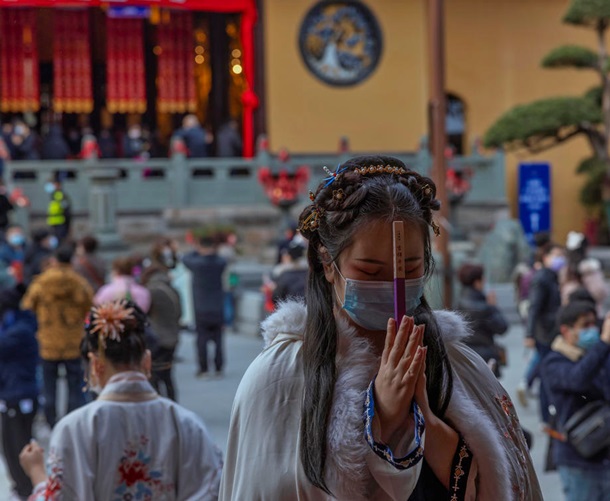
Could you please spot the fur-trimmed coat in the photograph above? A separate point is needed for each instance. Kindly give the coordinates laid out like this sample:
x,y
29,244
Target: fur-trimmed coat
x,y
262,461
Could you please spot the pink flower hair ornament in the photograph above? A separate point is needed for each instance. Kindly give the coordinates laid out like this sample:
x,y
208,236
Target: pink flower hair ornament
x,y
108,320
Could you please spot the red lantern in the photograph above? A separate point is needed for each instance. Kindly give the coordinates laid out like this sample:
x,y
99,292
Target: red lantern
x,y
284,186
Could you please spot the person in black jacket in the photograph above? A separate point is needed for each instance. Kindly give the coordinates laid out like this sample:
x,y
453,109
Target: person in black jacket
x,y
41,248
577,371
292,278
54,145
18,387
207,268
545,300
195,137
164,314
486,320
6,207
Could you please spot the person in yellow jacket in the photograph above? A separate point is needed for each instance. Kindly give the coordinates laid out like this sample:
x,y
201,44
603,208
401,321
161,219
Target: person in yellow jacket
x,y
61,299
59,209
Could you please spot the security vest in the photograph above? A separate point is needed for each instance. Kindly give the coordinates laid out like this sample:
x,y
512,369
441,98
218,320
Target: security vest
x,y
58,208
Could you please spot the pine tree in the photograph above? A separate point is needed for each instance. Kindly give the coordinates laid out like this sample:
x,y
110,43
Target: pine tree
x,y
546,123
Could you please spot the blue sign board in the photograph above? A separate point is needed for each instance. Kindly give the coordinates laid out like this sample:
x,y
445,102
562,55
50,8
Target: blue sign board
x,y
534,198
129,12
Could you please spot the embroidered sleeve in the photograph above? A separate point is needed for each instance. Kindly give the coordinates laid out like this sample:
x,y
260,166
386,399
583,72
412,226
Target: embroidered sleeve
x,y
382,450
51,489
460,468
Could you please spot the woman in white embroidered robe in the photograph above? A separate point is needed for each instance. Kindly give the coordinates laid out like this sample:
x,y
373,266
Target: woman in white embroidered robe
x,y
324,413
129,444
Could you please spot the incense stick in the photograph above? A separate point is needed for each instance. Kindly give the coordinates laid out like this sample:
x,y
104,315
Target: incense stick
x,y
398,234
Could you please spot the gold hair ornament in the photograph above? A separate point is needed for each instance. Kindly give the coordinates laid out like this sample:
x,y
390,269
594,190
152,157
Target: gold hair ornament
x,y
338,195
312,222
435,228
379,169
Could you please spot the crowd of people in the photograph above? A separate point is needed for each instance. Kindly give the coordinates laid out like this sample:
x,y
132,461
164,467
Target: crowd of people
x,y
52,288
562,295
564,309
345,401
19,141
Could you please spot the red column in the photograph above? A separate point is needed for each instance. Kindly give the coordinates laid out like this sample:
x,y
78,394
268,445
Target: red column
x,y
249,98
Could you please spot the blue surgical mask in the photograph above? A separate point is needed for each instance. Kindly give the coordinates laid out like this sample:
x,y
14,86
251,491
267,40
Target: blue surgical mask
x,y
49,188
588,337
16,240
371,303
557,263
53,242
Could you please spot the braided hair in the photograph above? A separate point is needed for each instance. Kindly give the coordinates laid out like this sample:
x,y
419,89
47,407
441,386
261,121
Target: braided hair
x,y
357,196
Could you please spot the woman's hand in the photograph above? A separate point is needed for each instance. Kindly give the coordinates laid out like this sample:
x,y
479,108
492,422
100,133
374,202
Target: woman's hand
x,y
402,362
32,462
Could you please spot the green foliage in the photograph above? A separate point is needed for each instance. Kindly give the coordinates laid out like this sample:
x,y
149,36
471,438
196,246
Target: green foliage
x,y
595,95
591,166
571,56
587,12
546,118
591,191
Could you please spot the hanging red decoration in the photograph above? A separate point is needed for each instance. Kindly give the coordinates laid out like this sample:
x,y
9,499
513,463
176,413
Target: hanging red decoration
x,y
176,73
126,77
72,86
19,61
283,185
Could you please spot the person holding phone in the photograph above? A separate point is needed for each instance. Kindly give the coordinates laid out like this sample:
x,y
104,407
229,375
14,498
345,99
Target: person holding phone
x,y
341,404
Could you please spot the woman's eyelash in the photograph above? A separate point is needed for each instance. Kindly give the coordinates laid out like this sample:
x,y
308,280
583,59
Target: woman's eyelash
x,y
368,273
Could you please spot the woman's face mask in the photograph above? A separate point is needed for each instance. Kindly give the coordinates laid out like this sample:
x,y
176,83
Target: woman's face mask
x,y
371,303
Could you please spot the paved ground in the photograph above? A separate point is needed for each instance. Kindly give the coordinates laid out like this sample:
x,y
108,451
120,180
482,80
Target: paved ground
x,y
212,399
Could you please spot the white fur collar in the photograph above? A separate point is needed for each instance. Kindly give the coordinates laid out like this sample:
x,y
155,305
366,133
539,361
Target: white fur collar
x,y
346,469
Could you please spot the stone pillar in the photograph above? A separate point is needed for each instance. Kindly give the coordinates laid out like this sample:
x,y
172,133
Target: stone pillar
x,y
103,207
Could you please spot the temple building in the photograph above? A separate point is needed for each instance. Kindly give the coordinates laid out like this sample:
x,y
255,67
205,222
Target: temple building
x,y
302,71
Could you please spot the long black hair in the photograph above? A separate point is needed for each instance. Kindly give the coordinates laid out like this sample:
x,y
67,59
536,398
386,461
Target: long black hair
x,y
387,191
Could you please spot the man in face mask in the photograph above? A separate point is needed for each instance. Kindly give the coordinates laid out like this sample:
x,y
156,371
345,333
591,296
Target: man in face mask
x,y
545,300
12,252
577,371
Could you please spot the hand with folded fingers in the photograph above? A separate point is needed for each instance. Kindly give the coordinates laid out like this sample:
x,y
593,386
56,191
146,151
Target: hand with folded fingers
x,y
402,364
31,459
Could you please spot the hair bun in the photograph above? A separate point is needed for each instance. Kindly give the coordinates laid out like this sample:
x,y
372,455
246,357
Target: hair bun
x,y
108,320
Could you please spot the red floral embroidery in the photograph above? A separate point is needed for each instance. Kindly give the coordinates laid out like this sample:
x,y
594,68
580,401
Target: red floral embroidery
x,y
55,478
133,472
137,480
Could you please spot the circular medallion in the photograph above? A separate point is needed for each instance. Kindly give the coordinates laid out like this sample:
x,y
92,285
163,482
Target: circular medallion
x,y
340,42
